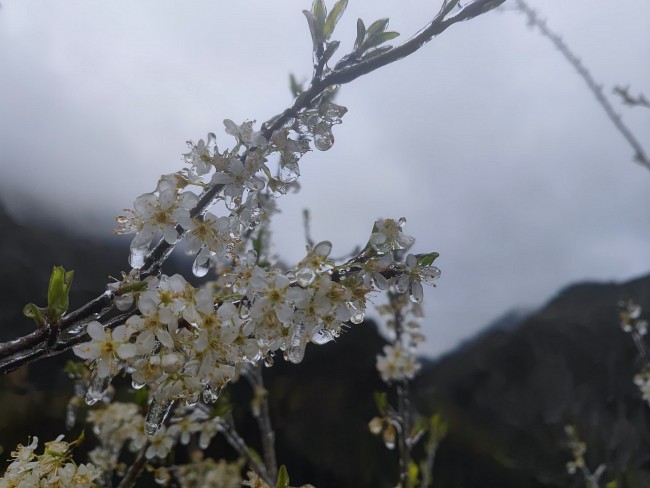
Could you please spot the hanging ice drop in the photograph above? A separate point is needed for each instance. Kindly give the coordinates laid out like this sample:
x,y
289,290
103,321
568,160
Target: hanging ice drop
x,y
158,410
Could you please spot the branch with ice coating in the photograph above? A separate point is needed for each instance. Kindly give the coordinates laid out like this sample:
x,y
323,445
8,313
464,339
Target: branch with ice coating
x,y
72,326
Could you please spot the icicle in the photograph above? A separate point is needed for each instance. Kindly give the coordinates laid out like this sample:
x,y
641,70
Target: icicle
x,y
137,256
158,410
97,388
296,350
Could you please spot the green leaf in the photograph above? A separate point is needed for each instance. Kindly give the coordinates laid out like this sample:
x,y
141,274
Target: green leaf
x,y
283,478
387,36
258,243
312,27
361,35
330,50
141,398
33,312
377,27
426,260
131,287
381,400
334,17
611,484
295,87
319,11
58,293
413,473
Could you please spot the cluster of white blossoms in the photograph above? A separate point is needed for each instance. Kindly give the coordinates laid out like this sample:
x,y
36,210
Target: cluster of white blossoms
x,y
244,177
631,322
53,468
402,317
185,342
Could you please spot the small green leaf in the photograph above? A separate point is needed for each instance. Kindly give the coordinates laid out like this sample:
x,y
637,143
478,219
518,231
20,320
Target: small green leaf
x,y
334,17
381,400
330,50
387,36
258,243
611,484
319,11
74,369
131,287
361,35
295,87
283,478
141,398
58,293
312,27
33,312
377,27
413,473
426,260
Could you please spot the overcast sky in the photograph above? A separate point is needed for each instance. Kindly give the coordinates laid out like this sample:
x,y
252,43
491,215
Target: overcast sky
x,y
486,140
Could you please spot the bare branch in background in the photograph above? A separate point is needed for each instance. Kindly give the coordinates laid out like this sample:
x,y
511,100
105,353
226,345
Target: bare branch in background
x,y
534,20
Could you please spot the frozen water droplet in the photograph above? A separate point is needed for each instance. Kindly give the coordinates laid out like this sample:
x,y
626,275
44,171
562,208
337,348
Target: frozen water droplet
x,y
158,410
200,266
137,256
357,316
210,393
322,336
192,400
305,277
332,111
97,388
244,312
323,139
136,386
289,172
268,360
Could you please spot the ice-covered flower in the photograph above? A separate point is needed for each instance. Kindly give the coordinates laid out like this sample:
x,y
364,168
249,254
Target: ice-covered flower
x,y
160,444
412,277
156,212
200,155
397,364
387,236
245,133
106,348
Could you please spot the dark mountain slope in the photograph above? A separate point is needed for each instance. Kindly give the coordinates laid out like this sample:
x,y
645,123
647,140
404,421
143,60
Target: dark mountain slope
x,y
509,394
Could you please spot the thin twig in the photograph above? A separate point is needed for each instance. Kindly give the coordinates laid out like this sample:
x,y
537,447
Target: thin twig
x,y
135,470
534,20
403,407
227,428
254,376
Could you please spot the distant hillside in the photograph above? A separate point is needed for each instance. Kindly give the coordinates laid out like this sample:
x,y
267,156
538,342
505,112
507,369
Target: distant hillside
x,y
509,393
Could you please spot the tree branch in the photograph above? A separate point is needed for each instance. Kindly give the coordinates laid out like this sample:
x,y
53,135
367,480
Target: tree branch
x,y
534,20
